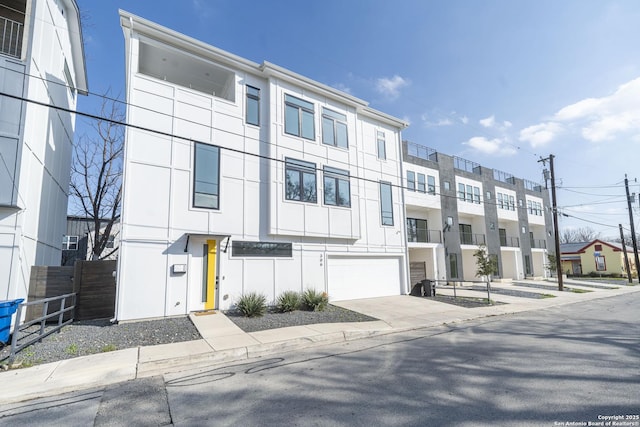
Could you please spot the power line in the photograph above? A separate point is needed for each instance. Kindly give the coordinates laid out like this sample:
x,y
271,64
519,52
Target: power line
x,y
233,150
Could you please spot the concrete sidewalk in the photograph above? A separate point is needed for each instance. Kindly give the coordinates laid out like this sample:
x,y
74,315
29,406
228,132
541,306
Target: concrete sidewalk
x,y
223,342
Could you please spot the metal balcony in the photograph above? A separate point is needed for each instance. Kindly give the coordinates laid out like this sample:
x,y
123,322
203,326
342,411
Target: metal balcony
x,y
424,236
472,239
11,41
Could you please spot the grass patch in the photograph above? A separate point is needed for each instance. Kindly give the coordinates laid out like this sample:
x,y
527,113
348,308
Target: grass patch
x,y
107,348
579,291
547,296
72,349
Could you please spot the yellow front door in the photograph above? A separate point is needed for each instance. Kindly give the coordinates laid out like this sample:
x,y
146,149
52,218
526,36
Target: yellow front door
x,y
210,301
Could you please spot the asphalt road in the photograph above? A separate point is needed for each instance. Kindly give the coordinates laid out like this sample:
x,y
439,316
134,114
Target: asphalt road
x,y
570,365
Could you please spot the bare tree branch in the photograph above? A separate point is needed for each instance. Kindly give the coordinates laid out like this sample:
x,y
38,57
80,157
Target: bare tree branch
x,y
96,176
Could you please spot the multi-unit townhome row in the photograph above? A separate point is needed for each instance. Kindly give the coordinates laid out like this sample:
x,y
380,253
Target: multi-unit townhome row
x,y
242,177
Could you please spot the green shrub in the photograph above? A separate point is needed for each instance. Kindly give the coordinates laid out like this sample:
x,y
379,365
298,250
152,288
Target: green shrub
x,y
313,300
288,301
252,304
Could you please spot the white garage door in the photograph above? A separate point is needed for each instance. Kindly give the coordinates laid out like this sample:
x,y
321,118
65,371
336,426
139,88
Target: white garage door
x,y
353,278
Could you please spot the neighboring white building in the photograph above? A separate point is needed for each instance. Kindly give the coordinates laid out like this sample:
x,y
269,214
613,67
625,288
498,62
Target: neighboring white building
x,y
244,177
41,59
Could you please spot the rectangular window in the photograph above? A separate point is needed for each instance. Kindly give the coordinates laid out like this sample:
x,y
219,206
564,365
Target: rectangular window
x,y
206,187
447,186
512,203
466,237
500,201
253,106
476,195
453,266
431,184
411,181
386,203
417,230
461,192
422,185
70,243
299,117
334,128
382,146
601,264
111,242
300,180
469,197
261,249
503,236
530,207
337,191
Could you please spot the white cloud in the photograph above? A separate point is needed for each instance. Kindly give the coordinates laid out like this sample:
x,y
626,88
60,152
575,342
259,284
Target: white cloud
x,y
542,134
464,119
595,119
507,124
495,146
438,123
489,122
390,87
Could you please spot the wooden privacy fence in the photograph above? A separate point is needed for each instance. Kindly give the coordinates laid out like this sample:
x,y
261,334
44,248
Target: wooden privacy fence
x,y
92,281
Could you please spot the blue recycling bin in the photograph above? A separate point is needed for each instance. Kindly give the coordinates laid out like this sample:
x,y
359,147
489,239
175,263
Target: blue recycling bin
x,y
7,308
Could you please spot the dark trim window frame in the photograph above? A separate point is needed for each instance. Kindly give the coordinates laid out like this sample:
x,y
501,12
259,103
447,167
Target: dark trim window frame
x,y
300,181
422,183
431,184
299,117
206,176
334,129
417,230
386,203
411,181
261,249
252,108
337,187
70,243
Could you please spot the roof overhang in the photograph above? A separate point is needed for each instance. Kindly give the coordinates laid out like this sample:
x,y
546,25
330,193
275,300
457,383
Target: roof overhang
x,y
77,46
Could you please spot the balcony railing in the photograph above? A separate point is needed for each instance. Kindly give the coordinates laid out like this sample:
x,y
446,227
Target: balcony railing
x,y
424,236
538,243
421,151
472,239
11,42
511,242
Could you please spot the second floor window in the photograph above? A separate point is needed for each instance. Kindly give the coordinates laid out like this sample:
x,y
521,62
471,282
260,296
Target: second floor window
x,y
422,185
336,187
386,203
334,128
300,181
206,186
253,106
299,117
431,182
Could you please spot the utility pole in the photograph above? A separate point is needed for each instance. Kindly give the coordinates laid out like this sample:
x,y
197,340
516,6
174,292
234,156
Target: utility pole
x,y
556,232
633,229
626,257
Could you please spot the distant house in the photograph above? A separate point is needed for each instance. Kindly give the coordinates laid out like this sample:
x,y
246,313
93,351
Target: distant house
x,y
41,63
78,242
595,257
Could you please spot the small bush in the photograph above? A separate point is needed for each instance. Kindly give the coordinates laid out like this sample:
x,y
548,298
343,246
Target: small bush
x,y
252,304
313,300
288,301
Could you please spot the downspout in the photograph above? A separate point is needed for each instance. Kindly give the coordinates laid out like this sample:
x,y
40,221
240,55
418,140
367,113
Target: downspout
x,y
403,230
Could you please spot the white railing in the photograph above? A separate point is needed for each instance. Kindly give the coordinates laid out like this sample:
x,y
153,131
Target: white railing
x,y
11,42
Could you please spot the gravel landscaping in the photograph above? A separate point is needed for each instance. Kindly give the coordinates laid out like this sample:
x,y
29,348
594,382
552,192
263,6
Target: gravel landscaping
x,y
511,292
467,302
99,336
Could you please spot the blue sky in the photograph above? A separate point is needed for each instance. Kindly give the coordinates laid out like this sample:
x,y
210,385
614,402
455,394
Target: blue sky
x,y
498,82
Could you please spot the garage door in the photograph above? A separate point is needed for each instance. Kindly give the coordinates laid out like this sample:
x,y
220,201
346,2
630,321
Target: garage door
x,y
353,278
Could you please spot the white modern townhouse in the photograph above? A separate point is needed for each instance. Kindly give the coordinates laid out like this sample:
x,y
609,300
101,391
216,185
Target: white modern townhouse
x,y
242,177
455,206
42,60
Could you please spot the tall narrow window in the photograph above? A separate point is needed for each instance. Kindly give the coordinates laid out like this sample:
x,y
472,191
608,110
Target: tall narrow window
x,y
512,203
469,197
476,195
300,181
253,106
299,117
431,184
206,188
386,203
337,191
466,236
453,266
334,128
422,185
461,192
411,180
382,146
